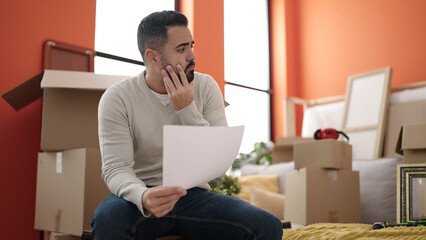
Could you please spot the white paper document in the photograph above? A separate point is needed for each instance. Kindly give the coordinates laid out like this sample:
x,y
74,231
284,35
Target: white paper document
x,y
193,155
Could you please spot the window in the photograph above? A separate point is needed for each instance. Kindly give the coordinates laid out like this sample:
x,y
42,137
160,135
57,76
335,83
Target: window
x,y
247,69
116,30
246,56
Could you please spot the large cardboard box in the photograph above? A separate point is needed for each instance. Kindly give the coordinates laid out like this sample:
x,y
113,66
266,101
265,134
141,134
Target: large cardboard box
x,y
325,153
69,188
400,114
412,142
283,148
70,104
315,195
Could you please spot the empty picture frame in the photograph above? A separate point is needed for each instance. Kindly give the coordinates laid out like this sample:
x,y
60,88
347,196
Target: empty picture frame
x,y
411,192
366,103
64,56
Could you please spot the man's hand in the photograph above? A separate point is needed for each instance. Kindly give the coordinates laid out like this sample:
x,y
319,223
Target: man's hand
x,y
181,94
161,200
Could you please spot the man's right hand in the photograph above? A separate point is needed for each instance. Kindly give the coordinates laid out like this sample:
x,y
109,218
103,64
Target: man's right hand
x,y
161,200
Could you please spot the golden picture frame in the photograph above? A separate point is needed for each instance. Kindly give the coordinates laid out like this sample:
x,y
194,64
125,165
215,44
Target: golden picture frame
x,y
411,192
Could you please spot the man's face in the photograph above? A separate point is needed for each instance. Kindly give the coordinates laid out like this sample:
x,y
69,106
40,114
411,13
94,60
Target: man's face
x,y
178,50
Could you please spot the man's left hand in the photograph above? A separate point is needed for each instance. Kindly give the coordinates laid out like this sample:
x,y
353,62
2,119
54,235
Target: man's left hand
x,y
181,94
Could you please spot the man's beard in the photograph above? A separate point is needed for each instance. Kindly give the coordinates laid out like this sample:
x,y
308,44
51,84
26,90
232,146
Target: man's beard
x,y
189,75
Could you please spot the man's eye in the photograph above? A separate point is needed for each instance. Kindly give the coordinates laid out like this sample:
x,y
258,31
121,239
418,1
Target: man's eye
x,y
182,50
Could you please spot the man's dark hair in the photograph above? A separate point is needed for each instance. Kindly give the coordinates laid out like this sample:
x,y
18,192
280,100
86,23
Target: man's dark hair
x,y
152,31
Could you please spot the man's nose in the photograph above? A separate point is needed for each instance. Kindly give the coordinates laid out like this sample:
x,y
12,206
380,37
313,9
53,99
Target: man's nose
x,y
191,56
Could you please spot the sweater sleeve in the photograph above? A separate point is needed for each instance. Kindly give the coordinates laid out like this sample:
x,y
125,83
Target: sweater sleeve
x,y
212,109
116,146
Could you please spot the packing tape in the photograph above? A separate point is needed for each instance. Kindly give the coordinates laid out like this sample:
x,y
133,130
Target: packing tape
x,y
59,162
58,217
332,175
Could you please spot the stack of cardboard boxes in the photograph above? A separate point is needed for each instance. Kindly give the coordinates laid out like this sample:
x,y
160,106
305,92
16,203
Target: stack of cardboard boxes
x,y
323,188
69,183
412,145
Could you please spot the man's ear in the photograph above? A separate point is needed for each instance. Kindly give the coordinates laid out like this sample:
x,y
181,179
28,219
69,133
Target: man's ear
x,y
152,56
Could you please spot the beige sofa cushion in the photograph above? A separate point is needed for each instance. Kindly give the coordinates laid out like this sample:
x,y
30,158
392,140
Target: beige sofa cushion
x,y
280,169
266,182
271,202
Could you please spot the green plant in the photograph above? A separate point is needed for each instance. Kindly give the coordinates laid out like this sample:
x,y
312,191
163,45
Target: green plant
x,y
260,155
227,185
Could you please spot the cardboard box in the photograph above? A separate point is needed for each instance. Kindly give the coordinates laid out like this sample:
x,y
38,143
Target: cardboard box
x,y
325,153
70,106
315,195
412,142
283,148
400,114
69,188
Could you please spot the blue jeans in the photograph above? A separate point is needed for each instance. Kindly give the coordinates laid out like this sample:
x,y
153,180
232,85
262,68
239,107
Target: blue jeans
x,y
198,215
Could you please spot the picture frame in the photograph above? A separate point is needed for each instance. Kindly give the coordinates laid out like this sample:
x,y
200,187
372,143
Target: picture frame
x,y
411,192
64,56
365,109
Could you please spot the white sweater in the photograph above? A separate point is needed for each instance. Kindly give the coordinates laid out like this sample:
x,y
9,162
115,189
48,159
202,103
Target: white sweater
x,y
131,120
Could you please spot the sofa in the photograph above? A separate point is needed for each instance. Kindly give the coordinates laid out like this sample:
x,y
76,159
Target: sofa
x,y
377,185
378,178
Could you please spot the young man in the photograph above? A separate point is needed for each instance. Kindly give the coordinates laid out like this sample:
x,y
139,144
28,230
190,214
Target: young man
x,y
132,114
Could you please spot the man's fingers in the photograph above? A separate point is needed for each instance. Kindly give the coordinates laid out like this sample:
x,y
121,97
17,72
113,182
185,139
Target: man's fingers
x,y
161,200
167,83
180,95
182,75
166,199
156,196
174,77
163,209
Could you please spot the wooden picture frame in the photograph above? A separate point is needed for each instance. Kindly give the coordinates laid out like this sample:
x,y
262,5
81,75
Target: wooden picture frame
x,y
410,194
366,104
63,56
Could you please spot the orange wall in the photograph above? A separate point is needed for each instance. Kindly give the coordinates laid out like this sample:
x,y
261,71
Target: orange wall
x,y
329,40
25,25
342,38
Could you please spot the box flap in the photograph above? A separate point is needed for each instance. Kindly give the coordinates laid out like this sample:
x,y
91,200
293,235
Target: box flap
x,y
398,148
25,93
400,114
31,90
78,80
414,136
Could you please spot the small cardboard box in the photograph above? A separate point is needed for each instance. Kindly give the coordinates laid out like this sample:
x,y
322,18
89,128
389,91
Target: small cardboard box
x,y
325,153
315,195
400,114
70,106
69,188
412,142
283,148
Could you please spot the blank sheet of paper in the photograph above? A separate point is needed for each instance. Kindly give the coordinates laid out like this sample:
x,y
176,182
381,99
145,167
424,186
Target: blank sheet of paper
x,y
194,155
